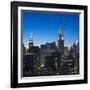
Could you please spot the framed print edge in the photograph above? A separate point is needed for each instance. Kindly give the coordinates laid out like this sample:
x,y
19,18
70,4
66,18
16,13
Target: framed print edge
x,y
14,44
86,44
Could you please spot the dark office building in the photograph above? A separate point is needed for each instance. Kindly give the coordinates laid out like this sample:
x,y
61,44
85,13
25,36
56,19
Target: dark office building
x,y
28,65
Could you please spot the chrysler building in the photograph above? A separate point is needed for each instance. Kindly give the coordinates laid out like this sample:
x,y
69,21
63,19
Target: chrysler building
x,y
61,39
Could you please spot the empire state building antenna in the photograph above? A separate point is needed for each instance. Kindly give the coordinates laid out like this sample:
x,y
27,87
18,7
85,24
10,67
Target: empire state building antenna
x,y
30,41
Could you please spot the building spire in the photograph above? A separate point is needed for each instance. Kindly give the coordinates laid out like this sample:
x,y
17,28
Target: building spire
x,y
61,34
30,35
31,40
60,37
61,30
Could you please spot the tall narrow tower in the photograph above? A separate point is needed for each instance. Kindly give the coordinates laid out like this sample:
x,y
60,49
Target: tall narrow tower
x,y
61,38
30,42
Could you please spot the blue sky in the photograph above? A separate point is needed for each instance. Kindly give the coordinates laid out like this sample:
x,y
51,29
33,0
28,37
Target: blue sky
x,y
45,26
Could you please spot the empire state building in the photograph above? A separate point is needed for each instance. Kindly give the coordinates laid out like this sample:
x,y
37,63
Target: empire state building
x,y
30,41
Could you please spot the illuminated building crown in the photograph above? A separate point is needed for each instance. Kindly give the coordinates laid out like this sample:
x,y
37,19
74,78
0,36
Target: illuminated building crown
x,y
31,40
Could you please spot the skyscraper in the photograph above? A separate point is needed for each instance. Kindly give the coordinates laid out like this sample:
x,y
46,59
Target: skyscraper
x,y
30,41
61,39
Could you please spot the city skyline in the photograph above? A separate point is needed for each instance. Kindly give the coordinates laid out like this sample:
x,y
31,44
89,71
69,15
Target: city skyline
x,y
45,26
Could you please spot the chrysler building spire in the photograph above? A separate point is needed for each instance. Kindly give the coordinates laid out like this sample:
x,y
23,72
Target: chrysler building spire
x,y
61,34
61,37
